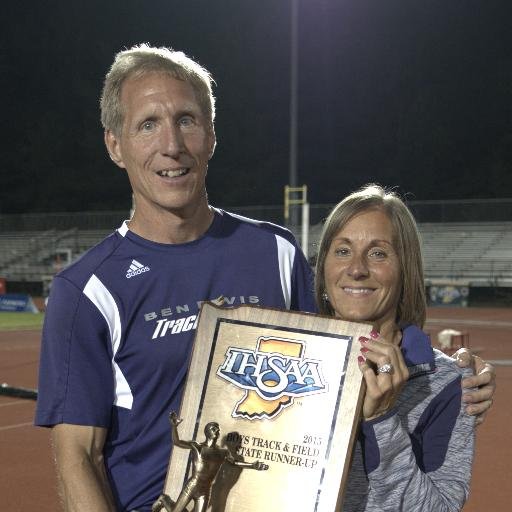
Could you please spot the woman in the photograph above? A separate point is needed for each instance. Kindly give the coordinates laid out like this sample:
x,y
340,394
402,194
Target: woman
x,y
416,442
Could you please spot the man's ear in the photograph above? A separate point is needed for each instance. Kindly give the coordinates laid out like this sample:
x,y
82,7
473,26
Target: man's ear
x,y
113,148
212,142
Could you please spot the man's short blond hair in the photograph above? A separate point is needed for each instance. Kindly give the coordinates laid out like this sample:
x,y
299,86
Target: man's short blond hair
x,y
142,59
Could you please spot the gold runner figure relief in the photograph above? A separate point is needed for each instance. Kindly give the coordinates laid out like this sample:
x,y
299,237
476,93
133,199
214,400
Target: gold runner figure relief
x,y
207,459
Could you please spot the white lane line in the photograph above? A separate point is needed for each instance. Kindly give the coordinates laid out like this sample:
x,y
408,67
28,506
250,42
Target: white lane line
x,y
19,425
17,402
497,324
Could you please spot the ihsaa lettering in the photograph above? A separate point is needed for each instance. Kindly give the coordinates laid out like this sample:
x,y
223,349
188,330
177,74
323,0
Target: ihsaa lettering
x,y
272,375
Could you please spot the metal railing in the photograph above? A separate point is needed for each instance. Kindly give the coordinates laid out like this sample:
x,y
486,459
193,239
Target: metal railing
x,y
457,210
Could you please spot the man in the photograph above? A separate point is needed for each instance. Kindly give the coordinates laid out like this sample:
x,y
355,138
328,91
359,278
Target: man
x,y
120,321
207,459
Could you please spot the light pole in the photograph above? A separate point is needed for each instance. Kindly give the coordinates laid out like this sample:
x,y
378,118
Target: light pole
x,y
294,94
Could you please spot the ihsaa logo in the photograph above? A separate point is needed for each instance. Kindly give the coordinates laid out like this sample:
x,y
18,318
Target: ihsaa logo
x,y
272,375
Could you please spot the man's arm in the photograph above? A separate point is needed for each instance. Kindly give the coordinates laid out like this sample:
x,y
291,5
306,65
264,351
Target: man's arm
x,y
81,470
483,381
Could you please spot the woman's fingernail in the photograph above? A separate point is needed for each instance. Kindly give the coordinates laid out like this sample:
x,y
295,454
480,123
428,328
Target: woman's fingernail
x,y
374,334
360,359
362,339
364,350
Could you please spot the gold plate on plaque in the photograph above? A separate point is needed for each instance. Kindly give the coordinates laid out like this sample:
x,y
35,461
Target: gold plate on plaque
x,y
285,389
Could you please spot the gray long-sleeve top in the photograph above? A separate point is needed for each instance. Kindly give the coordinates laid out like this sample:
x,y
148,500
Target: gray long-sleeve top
x,y
418,456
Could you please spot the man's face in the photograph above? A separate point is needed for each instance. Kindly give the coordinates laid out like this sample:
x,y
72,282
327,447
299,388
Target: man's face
x,y
165,144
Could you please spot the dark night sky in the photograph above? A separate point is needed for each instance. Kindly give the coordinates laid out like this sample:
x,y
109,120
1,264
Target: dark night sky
x,y
412,93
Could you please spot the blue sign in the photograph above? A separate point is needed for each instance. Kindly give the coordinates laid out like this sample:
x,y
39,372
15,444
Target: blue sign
x,y
17,302
449,295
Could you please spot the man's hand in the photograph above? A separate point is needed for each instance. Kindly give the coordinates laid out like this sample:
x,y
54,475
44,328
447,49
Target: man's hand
x,y
484,379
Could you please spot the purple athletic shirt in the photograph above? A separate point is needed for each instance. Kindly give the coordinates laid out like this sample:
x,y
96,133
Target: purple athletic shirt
x,y
120,324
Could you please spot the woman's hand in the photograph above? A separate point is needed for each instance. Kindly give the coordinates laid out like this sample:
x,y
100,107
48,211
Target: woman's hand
x,y
385,373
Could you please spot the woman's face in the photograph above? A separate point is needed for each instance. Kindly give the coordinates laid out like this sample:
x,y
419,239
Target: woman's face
x,y
362,271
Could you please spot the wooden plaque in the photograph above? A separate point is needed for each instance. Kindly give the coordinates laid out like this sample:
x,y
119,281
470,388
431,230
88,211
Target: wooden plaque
x,y
285,389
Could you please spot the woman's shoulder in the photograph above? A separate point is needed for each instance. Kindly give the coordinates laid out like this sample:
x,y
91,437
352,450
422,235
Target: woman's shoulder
x,y
446,365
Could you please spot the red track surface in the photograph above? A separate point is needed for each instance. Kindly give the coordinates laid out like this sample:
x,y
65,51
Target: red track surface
x,y
27,477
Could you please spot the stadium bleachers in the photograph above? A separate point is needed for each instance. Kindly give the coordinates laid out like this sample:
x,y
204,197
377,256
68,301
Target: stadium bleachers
x,y
475,253
479,254
35,255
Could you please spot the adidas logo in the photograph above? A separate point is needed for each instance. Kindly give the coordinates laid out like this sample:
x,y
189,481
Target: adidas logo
x,y
135,269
